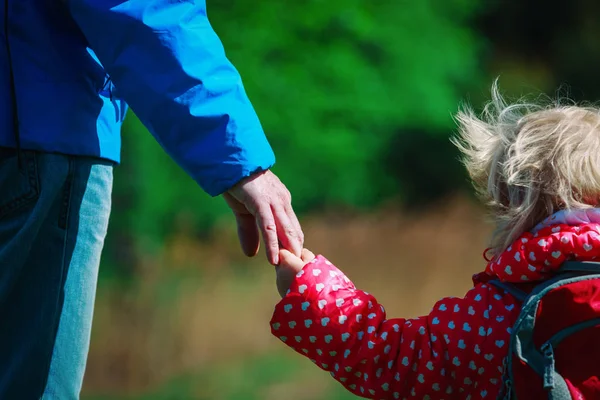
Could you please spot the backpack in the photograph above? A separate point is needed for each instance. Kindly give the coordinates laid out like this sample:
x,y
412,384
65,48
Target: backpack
x,y
555,342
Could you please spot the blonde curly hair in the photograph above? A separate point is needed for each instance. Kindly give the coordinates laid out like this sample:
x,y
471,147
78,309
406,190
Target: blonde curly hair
x,y
528,161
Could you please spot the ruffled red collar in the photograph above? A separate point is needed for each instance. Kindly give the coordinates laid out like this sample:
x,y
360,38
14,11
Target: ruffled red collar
x,y
536,256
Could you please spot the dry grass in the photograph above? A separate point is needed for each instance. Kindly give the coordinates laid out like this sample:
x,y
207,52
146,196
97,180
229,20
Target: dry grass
x,y
178,320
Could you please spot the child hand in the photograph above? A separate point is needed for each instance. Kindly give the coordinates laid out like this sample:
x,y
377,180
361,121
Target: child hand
x,y
289,266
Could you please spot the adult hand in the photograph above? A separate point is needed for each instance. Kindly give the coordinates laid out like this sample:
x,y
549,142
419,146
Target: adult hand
x,y
262,202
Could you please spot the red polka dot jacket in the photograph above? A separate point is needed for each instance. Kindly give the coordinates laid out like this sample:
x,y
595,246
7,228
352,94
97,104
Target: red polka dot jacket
x,y
455,352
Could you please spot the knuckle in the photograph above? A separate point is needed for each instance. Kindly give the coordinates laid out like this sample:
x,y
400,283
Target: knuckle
x,y
251,205
270,227
291,232
261,200
287,196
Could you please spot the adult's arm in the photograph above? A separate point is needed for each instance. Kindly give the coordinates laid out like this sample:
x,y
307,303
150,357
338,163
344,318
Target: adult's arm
x,y
169,65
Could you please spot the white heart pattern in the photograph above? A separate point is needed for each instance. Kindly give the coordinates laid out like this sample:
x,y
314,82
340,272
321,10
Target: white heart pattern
x,y
556,254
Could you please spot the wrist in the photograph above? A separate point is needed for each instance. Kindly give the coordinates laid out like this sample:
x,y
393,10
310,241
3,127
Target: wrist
x,y
247,179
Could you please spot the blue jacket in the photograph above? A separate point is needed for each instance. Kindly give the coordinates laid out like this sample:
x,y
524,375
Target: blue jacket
x,y
77,64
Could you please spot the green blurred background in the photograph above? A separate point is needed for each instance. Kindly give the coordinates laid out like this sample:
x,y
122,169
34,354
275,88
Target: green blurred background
x,y
357,99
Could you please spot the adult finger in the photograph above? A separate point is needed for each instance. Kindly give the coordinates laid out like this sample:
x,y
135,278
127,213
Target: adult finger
x,y
248,234
295,223
246,225
286,231
268,228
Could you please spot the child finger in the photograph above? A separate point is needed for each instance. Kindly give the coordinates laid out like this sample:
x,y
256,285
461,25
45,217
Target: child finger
x,y
287,259
307,255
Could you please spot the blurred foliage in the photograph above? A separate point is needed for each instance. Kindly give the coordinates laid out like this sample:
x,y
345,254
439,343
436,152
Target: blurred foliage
x,y
337,84
335,81
357,99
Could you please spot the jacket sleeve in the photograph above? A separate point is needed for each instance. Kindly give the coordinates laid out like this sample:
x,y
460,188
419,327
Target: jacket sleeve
x,y
169,65
344,330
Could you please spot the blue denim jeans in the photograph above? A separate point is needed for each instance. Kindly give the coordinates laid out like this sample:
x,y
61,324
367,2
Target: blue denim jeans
x,y
54,212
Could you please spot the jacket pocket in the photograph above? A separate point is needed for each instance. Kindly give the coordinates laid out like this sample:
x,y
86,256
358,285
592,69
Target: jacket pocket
x,y
19,184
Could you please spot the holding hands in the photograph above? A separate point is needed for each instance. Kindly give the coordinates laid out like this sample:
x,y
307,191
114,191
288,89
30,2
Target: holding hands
x,y
262,203
289,266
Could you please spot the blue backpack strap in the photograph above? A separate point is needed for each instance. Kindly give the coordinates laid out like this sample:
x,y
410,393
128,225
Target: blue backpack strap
x,y
581,266
511,289
560,391
521,343
568,266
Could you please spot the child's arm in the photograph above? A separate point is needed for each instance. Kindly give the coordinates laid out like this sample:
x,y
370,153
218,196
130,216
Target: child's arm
x,y
345,331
